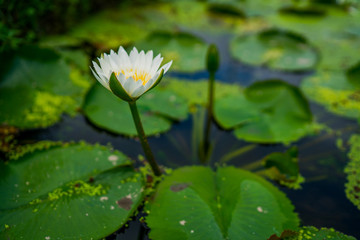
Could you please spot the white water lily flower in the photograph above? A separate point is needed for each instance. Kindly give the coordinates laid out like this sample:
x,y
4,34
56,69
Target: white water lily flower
x,y
129,76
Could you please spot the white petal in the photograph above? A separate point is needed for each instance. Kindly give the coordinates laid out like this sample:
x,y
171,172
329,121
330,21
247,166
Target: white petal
x,y
100,80
105,66
133,55
148,61
99,71
165,67
122,51
155,65
117,61
112,63
151,81
125,62
139,91
131,85
121,78
140,62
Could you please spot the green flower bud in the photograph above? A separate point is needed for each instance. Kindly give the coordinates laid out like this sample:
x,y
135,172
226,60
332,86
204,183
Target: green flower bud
x,y
212,58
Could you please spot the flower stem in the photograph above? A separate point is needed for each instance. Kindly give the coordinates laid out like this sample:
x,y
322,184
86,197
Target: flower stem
x,y
210,113
144,143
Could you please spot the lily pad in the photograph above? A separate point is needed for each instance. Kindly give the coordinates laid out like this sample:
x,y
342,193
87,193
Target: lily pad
x,y
71,191
48,87
312,233
268,112
275,49
352,187
187,51
196,203
333,90
201,16
195,92
157,108
328,32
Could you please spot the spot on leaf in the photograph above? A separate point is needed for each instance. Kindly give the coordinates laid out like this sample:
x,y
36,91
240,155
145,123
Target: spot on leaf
x,y
179,187
125,203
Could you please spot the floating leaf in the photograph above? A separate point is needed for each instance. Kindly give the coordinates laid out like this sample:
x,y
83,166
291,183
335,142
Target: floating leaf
x,y
107,111
187,51
312,233
333,90
275,49
112,28
352,187
195,92
327,31
47,85
268,111
196,203
71,191
284,168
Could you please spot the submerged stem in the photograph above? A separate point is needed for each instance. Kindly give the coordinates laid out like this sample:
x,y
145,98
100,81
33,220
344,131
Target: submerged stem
x,y
210,107
144,143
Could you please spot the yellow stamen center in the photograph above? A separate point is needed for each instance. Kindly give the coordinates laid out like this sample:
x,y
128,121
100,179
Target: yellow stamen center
x,y
136,75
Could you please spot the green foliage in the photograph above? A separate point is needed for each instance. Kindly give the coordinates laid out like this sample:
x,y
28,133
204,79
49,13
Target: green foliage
x,y
335,91
196,203
284,168
48,87
111,28
352,187
24,21
156,109
269,111
330,32
275,49
195,92
312,233
67,191
187,51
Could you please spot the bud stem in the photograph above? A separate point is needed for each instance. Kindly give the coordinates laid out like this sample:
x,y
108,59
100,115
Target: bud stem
x,y
210,107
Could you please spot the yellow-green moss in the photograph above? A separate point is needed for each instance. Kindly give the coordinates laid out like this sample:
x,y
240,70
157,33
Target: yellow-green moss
x,y
77,188
352,187
47,108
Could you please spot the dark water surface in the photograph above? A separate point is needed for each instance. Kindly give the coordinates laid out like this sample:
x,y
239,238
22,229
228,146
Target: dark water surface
x,y
321,202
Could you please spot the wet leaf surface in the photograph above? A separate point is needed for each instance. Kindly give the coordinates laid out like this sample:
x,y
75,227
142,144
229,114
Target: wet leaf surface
x,y
228,204
156,108
67,191
37,86
275,49
268,111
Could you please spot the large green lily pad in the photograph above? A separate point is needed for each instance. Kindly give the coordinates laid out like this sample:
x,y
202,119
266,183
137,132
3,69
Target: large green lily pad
x,y
69,191
37,86
157,108
196,203
275,49
187,51
111,28
327,31
196,92
269,111
335,91
352,187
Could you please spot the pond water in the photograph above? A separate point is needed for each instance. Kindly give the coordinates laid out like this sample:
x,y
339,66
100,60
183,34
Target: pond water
x,y
321,202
